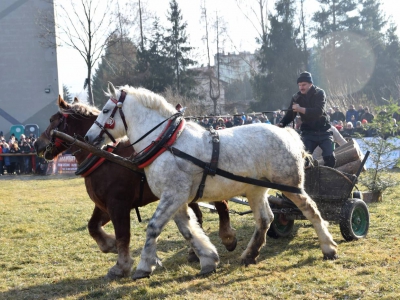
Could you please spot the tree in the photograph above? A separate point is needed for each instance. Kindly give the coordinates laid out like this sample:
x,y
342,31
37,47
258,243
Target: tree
x,y
281,60
177,48
155,69
381,146
117,65
66,94
86,28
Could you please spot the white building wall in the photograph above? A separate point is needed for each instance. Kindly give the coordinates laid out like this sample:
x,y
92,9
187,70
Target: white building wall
x,y
27,69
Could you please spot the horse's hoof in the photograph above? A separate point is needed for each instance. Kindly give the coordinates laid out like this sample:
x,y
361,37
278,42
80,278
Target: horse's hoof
x,y
248,261
141,274
113,276
231,246
207,270
331,256
192,257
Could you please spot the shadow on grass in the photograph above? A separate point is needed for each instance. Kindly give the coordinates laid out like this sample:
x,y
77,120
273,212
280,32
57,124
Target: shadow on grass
x,y
175,270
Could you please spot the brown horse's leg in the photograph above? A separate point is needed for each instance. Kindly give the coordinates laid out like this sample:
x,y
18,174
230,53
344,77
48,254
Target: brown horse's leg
x,y
226,232
106,242
120,217
311,212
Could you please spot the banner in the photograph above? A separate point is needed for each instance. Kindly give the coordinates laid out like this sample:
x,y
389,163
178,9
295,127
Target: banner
x,y
65,164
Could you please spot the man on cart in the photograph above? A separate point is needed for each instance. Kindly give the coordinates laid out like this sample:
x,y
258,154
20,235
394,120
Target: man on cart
x,y
310,103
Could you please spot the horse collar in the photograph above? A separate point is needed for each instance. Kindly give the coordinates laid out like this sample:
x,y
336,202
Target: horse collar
x,y
166,139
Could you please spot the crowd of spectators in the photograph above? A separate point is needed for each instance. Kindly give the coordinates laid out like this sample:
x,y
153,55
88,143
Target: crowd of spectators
x,y
17,164
222,122
352,123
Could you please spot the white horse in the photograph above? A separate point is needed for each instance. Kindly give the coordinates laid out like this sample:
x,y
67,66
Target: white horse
x,y
258,151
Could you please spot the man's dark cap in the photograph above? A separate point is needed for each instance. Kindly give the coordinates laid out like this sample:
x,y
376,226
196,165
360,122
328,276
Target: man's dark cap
x,y
305,77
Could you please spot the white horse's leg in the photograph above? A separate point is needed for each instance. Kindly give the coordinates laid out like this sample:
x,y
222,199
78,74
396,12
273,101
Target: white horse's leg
x,y
311,212
263,217
187,223
168,205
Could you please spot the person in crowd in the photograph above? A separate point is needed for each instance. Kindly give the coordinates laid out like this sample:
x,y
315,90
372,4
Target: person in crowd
x,y
26,165
249,120
351,112
360,112
329,112
337,125
6,159
14,159
367,115
244,118
275,118
338,115
348,131
353,121
229,122
310,103
359,130
237,121
256,120
220,124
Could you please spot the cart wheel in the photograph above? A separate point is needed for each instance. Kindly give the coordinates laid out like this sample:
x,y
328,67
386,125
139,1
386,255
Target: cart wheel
x,y
280,227
354,220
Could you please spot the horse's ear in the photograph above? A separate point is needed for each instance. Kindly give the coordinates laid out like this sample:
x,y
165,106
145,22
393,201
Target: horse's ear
x,y
61,103
76,100
111,89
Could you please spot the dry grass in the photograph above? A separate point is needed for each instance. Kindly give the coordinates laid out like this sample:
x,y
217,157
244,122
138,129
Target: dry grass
x,y
47,253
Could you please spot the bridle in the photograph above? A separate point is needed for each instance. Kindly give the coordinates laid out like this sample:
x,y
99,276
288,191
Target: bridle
x,y
110,123
57,143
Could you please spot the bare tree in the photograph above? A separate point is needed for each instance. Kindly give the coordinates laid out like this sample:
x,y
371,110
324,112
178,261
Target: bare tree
x,y
214,88
83,25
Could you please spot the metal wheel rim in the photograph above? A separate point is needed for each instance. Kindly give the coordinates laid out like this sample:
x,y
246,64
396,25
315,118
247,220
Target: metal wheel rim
x,y
359,221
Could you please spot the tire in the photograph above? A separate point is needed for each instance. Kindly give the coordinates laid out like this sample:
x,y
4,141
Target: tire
x,y
280,227
354,220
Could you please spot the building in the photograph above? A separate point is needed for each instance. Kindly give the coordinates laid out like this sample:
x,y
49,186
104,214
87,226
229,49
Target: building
x,y
205,105
234,67
29,75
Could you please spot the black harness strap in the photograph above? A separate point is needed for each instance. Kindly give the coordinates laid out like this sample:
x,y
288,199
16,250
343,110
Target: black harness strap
x,y
209,168
267,184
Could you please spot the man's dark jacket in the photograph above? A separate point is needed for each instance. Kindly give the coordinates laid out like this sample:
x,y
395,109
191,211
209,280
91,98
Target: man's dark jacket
x,y
315,117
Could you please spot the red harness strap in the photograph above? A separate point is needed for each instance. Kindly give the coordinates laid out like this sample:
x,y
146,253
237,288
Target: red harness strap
x,y
170,142
98,163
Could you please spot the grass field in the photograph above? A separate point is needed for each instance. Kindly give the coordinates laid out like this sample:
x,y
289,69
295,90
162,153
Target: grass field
x,y
47,253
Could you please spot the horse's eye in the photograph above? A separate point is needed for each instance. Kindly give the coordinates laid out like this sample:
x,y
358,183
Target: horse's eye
x,y
105,110
51,120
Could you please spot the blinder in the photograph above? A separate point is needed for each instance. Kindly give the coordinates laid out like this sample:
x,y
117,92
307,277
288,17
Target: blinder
x,y
110,123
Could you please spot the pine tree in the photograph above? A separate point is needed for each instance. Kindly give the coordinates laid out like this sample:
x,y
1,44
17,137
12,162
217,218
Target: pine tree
x,y
176,43
116,66
155,69
66,94
281,60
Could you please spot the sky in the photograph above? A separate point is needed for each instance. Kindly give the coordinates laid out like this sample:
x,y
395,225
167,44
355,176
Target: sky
x,y
241,30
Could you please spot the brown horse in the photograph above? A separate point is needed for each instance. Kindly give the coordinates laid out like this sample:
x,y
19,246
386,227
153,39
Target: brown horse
x,y
115,190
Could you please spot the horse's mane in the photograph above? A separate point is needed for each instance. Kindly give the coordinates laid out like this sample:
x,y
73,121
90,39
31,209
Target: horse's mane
x,y
149,99
81,108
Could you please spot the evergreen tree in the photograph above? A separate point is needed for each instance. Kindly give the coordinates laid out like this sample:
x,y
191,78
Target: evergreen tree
x,y
66,94
116,66
281,60
155,69
176,45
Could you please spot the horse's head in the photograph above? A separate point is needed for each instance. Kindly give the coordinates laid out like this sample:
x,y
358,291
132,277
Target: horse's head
x,y
110,123
73,119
